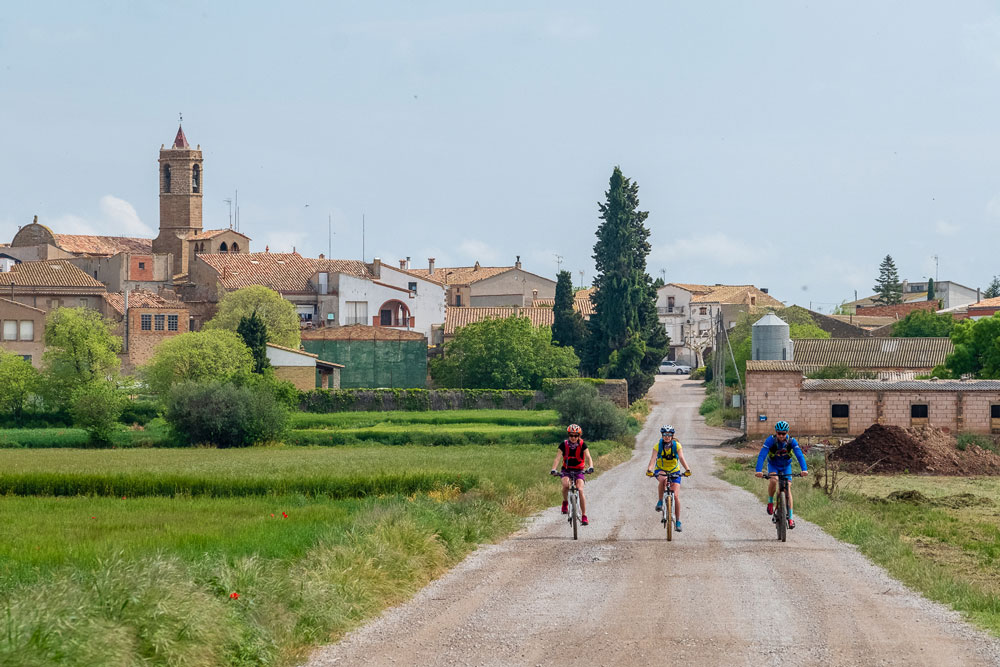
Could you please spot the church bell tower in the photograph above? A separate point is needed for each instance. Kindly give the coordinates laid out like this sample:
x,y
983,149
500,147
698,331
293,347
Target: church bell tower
x,y
181,187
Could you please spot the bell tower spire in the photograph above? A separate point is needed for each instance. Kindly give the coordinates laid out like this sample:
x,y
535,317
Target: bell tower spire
x,y
181,187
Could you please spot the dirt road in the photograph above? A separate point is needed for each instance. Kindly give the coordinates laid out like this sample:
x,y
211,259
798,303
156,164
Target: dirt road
x,y
724,592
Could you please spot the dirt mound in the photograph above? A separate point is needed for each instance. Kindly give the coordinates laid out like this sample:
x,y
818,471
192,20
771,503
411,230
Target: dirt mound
x,y
923,449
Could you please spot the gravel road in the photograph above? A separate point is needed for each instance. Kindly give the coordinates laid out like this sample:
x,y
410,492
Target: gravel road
x,y
724,592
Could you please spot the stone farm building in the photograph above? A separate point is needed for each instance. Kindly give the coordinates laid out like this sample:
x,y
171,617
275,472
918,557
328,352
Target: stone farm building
x,y
371,356
778,390
486,286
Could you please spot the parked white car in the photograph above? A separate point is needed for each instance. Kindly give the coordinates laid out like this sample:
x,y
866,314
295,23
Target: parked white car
x,y
667,366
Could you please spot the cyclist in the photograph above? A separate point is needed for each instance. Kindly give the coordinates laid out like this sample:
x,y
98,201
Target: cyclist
x,y
668,456
778,449
576,463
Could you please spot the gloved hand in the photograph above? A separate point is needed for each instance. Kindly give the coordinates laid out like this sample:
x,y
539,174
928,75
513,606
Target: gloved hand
x,y
590,470
553,473
649,473
687,473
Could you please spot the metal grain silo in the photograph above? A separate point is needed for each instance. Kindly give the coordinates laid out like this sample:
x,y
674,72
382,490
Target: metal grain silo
x,y
769,338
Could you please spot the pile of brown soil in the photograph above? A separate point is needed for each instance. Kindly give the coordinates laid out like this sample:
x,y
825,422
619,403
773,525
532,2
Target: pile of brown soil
x,y
892,449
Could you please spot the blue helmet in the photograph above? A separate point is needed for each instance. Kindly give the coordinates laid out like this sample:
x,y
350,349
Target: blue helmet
x,y
666,429
781,427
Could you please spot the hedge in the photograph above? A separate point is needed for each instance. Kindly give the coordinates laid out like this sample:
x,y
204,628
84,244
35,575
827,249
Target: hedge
x,y
342,400
471,436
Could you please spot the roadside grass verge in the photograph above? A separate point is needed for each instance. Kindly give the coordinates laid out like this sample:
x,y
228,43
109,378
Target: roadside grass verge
x,y
944,544
311,420
426,434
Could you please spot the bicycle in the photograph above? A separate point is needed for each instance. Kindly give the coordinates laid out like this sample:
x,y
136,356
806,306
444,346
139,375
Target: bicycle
x,y
781,503
573,499
667,500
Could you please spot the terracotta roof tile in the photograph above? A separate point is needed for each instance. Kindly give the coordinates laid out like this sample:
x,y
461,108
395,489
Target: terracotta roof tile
x,y
737,294
772,366
869,352
461,275
987,303
695,289
141,299
85,244
581,304
360,332
282,272
51,273
212,233
458,317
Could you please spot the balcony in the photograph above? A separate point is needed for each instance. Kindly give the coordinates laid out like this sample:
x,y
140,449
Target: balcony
x,y
670,310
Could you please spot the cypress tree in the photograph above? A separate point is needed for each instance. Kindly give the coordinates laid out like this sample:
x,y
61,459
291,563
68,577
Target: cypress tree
x,y
568,327
888,289
930,289
626,339
253,331
993,290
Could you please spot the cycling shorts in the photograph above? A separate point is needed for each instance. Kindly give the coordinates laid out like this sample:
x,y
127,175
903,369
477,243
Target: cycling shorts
x,y
676,480
573,474
781,469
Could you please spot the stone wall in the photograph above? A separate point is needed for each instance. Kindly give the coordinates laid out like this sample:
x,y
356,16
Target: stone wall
x,y
143,344
303,377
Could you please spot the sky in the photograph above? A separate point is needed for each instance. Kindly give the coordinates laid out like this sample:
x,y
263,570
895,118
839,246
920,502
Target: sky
x,y
787,144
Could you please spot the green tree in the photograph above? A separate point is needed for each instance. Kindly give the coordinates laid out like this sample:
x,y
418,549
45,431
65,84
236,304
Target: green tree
x,y
80,348
568,327
279,315
199,356
930,289
977,348
993,290
625,339
20,381
96,407
253,331
888,289
504,353
923,324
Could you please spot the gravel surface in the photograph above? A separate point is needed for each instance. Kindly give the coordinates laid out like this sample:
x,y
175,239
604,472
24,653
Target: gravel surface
x,y
724,592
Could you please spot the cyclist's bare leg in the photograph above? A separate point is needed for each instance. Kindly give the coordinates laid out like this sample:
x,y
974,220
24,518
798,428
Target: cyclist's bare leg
x,y
662,484
676,488
565,483
789,498
583,499
772,486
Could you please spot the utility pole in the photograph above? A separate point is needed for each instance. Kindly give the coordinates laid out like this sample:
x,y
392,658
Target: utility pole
x,y
663,275
935,268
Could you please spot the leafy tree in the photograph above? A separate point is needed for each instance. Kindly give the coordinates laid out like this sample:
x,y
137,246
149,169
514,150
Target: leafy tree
x,y
568,327
253,331
96,407
224,414
502,354
279,315
993,290
930,289
922,324
888,289
199,356
80,348
977,348
599,418
20,381
626,338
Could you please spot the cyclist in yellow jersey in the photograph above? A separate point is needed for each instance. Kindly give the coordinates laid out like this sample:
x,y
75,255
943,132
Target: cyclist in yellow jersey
x,y
668,457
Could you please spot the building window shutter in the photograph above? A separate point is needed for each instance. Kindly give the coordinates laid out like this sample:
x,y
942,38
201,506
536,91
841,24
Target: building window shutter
x,y
27,330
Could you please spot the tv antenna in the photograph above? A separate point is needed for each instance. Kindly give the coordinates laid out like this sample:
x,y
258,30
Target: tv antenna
x,y
229,202
581,278
935,257
559,261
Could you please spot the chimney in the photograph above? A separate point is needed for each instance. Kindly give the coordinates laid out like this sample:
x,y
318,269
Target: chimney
x,y
517,264
534,294
764,290
430,266
476,267
402,264
377,267
407,262
322,256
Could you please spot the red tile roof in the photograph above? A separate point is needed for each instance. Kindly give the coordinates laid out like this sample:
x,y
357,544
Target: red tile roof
x,y
141,299
461,275
457,317
360,332
86,244
212,233
282,272
180,141
50,273
987,303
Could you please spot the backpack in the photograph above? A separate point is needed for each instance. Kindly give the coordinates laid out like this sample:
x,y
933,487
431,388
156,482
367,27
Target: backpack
x,y
775,451
661,452
575,460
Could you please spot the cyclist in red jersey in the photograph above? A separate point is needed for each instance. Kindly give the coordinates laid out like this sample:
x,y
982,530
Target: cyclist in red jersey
x,y
576,463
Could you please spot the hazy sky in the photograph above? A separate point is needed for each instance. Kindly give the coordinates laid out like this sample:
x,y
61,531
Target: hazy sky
x,y
787,144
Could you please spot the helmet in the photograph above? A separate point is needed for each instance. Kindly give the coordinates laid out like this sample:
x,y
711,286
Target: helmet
x,y
781,427
573,429
667,429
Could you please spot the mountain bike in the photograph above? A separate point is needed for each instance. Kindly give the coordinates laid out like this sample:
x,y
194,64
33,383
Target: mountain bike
x,y
781,504
573,499
667,500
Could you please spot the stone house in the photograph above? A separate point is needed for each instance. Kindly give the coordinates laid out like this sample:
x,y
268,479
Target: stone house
x,y
51,284
488,286
22,330
126,271
144,321
778,390
303,369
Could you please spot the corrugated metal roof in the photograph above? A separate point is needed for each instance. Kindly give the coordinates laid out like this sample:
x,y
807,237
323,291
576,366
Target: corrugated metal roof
x,y
458,317
772,366
904,385
871,352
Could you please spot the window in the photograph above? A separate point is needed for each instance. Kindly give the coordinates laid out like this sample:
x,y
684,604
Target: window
x,y
385,318
458,300
703,310
412,287
171,323
918,411
356,312
995,412
839,411
223,247
142,265
166,178
159,321
840,418
196,178
27,330
84,302
10,329
26,357
306,313
147,322
670,304
235,247
54,303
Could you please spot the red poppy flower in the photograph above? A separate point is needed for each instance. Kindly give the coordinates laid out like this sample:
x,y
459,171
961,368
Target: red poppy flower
x,y
284,515
234,596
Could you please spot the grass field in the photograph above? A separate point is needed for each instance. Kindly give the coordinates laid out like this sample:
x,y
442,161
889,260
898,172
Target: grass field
x,y
945,544
147,579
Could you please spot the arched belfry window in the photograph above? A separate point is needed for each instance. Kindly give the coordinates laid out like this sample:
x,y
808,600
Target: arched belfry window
x,y
196,179
223,247
235,247
166,178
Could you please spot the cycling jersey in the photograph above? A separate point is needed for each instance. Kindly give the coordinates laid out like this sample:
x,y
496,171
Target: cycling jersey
x,y
668,455
573,458
779,457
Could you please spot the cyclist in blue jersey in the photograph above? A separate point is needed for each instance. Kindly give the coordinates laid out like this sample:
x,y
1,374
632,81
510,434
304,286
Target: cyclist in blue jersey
x,y
778,449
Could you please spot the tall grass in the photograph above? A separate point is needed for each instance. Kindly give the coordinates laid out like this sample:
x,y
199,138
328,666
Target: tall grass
x,y
443,434
366,419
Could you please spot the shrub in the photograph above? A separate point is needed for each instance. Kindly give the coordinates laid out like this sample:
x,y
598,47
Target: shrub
x,y
710,404
139,412
96,407
599,418
224,414
982,441
698,373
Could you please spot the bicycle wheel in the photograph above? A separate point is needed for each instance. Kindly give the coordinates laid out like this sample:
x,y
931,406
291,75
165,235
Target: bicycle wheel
x,y
575,514
780,520
668,508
